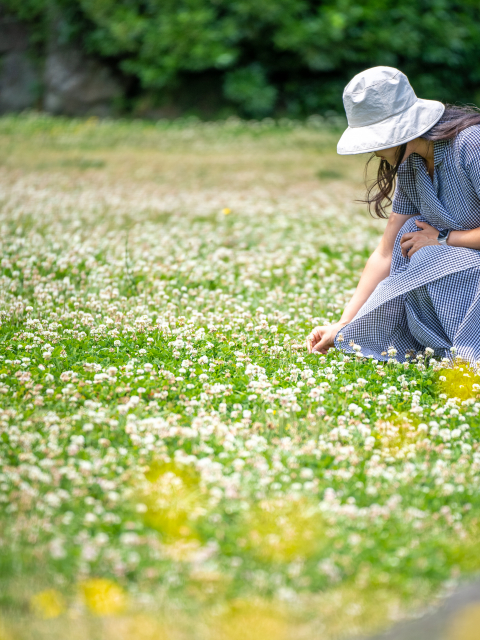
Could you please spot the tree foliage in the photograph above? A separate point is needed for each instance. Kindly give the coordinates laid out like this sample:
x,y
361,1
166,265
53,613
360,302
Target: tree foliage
x,y
271,56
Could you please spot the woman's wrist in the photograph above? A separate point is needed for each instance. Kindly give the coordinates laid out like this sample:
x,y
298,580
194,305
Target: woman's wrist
x,y
457,239
467,238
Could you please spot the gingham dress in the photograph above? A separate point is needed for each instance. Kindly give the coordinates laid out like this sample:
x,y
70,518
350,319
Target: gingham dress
x,y
433,299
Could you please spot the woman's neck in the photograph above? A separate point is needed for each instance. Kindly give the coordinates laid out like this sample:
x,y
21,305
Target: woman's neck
x,y
424,148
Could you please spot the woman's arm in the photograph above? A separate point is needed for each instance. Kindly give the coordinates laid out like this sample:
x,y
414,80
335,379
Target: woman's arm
x,y
427,235
376,270
469,239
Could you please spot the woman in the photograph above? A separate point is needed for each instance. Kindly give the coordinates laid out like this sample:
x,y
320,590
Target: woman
x,y
421,286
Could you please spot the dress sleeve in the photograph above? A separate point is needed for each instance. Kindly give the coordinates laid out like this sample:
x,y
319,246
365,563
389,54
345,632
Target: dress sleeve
x,y
402,203
470,153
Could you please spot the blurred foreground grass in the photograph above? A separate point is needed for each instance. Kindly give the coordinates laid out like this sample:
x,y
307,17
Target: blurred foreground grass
x,y
173,464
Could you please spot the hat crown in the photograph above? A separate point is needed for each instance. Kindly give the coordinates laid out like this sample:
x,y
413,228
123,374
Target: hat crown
x,y
377,94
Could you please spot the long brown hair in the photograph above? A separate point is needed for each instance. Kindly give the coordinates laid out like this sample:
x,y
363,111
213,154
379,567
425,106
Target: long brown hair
x,y
379,191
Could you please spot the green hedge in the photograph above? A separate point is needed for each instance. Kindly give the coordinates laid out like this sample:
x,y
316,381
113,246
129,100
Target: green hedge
x,y
273,56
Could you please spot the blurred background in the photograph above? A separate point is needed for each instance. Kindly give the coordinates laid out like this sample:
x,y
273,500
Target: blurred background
x,y
218,58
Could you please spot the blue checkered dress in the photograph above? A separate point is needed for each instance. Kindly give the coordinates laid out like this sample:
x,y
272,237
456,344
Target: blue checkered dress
x,y
433,299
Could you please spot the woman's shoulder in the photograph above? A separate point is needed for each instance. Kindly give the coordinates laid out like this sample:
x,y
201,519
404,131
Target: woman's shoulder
x,y
405,169
468,141
406,177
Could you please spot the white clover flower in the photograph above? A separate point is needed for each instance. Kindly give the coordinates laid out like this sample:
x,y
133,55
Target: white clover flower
x,y
306,473
355,409
364,430
90,518
57,548
369,441
448,489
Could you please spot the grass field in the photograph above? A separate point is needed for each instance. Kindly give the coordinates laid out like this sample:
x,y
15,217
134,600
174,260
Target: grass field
x,y
173,464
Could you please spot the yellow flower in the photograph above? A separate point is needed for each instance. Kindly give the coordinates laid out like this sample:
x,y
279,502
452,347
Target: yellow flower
x,y
465,624
137,627
280,530
459,381
103,597
226,211
254,620
173,501
48,604
4,635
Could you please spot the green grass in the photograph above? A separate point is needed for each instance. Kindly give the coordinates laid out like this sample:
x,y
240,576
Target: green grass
x,y
173,463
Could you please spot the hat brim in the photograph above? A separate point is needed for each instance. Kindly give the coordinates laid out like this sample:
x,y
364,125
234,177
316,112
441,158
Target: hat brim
x,y
393,131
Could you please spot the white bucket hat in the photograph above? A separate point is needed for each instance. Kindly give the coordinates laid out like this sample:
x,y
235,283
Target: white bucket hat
x,y
383,112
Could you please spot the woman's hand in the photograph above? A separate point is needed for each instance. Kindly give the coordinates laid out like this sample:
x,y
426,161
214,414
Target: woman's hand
x,y
412,242
322,338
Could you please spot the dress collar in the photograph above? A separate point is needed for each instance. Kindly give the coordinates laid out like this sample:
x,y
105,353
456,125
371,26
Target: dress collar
x,y
439,151
439,147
